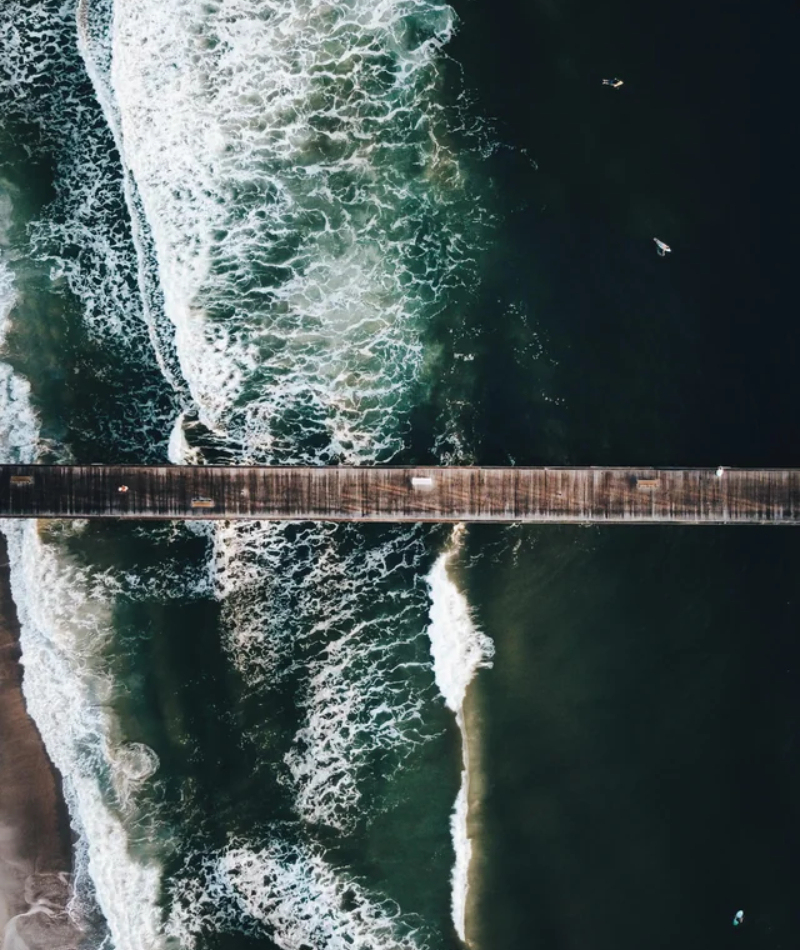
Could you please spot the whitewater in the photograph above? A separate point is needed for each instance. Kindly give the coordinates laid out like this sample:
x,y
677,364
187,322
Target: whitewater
x,y
268,211
459,649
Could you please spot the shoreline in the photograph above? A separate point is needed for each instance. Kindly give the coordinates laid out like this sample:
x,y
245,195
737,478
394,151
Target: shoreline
x,y
35,837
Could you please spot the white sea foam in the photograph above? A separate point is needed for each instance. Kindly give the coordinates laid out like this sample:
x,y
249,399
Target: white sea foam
x,y
65,609
18,423
308,218
286,166
459,649
65,618
82,234
317,599
64,613
292,167
290,894
179,452
93,19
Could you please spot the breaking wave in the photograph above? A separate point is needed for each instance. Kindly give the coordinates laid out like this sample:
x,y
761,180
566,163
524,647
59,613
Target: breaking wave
x,y
307,211
459,650
81,244
259,209
70,651
18,423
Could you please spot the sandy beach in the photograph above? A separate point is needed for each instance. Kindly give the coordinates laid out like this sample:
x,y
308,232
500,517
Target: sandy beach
x,y
35,845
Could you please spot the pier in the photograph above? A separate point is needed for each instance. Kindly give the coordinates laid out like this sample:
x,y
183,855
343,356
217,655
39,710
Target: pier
x,y
449,494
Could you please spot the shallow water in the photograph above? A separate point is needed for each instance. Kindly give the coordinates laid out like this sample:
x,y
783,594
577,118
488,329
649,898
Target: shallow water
x,y
235,258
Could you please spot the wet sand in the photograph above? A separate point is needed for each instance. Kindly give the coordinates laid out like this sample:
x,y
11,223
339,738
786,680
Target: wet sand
x,y
35,843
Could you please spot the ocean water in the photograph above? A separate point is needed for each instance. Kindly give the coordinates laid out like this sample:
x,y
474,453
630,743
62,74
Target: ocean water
x,y
229,228
263,231
637,775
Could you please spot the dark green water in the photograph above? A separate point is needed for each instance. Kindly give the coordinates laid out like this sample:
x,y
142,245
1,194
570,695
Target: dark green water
x,y
639,726
658,360
638,760
639,739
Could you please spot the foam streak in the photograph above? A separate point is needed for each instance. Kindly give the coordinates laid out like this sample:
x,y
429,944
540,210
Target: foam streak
x,y
459,649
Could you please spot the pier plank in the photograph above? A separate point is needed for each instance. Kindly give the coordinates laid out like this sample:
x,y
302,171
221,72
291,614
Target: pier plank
x,y
450,494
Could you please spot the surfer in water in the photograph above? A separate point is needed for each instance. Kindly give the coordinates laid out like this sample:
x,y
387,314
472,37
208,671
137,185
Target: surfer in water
x,y
663,249
738,918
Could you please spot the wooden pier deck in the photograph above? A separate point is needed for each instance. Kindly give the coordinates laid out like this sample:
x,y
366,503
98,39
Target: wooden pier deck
x,y
452,494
